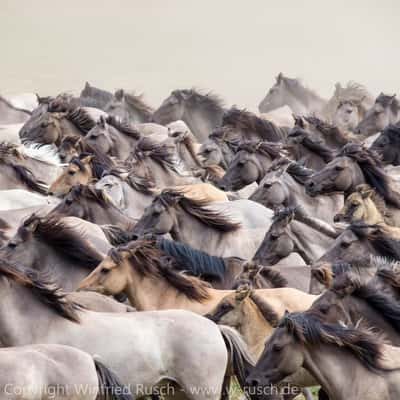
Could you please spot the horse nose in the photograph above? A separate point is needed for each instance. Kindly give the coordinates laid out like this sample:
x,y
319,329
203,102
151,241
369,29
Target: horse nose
x,y
50,193
62,157
134,236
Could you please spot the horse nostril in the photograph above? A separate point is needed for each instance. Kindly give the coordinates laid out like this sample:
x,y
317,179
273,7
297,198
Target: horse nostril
x,y
134,236
310,184
50,193
253,382
337,218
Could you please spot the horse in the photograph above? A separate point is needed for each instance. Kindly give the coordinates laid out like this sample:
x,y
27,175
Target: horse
x,y
348,114
134,268
302,339
250,164
284,186
56,121
69,248
112,137
387,145
82,169
249,126
307,150
153,356
9,114
201,112
290,92
349,300
92,205
52,370
15,172
287,235
159,162
254,318
385,111
203,226
129,107
220,148
354,165
366,205
91,96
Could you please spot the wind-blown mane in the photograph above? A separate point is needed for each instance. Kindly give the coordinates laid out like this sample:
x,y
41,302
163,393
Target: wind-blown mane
x,y
78,116
123,127
373,171
282,214
266,310
199,210
142,184
308,329
10,105
383,303
48,293
93,97
250,123
314,145
64,239
196,262
160,153
136,102
209,100
9,156
381,241
267,149
150,261
298,172
327,129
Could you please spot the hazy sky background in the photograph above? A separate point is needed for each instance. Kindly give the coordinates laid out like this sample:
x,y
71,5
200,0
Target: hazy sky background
x,y
235,48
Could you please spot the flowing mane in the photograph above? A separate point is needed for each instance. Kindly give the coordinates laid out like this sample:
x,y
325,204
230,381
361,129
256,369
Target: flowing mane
x,y
141,184
314,145
384,304
266,310
43,288
150,261
196,262
380,240
10,105
327,129
284,213
63,238
80,118
251,123
136,102
308,329
298,172
209,101
159,152
199,210
267,149
252,271
376,198
9,156
373,171
123,127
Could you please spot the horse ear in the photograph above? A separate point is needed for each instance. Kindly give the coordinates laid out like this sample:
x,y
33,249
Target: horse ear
x,y
392,98
279,78
323,275
87,85
32,226
87,159
77,141
367,193
119,94
186,94
242,292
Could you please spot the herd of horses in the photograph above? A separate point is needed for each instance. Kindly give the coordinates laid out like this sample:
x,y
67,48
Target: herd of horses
x,y
195,248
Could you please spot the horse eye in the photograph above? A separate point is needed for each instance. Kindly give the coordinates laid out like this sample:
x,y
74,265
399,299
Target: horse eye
x,y
345,244
12,244
68,201
354,204
44,124
324,309
105,271
274,236
71,173
267,185
338,168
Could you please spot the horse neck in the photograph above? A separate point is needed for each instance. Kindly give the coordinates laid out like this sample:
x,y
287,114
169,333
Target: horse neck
x,y
135,197
264,163
372,215
336,370
254,328
155,293
190,230
66,274
68,128
20,311
201,122
122,144
357,177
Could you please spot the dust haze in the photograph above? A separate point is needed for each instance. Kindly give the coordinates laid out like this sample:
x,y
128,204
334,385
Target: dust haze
x,y
234,48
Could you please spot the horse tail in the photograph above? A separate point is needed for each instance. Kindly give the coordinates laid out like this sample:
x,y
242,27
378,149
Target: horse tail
x,y
241,361
110,388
